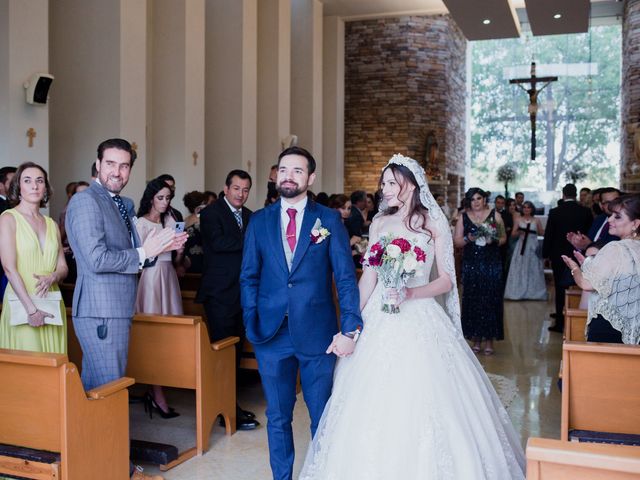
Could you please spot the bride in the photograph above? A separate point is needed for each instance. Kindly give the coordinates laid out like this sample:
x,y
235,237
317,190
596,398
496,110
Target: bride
x,y
412,402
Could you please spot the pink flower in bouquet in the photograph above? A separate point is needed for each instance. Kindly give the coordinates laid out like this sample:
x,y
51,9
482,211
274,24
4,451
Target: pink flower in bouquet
x,y
404,245
420,255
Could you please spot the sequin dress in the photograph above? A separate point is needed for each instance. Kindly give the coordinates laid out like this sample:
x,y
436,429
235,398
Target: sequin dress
x,y
482,307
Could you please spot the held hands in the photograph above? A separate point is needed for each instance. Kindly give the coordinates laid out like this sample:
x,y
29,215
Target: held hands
x,y
341,345
165,240
36,319
43,283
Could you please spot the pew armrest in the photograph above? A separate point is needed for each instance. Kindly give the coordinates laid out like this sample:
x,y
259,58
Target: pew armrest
x,y
224,343
575,312
110,388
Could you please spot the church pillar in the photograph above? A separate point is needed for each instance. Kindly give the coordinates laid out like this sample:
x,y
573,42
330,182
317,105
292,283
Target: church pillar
x,y
231,90
24,50
630,98
333,106
306,79
176,132
98,56
274,87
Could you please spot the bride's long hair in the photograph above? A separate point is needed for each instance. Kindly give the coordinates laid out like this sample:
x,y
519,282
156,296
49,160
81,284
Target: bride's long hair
x,y
417,210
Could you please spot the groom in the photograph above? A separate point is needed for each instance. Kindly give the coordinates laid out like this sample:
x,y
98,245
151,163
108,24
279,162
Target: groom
x,y
288,264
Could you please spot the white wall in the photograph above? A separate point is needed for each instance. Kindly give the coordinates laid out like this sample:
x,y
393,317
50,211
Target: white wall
x,y
231,90
24,50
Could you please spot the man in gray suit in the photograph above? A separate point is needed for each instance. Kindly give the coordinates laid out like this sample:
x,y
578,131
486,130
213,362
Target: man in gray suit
x,y
109,256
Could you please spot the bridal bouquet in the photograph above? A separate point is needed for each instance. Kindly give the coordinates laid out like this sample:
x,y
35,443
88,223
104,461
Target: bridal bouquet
x,y
486,231
395,260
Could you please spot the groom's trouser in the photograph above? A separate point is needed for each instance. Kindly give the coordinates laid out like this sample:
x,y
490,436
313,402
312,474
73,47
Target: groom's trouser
x,y
278,363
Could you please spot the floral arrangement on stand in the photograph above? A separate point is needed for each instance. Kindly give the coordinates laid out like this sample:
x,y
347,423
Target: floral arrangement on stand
x,y
507,173
395,260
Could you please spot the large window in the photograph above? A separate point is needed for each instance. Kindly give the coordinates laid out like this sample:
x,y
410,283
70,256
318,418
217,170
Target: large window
x,y
578,119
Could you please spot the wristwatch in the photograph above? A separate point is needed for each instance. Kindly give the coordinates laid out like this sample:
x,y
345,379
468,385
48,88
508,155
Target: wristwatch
x,y
355,335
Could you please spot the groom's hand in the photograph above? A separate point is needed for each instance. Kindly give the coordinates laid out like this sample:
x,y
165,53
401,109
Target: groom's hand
x,y
341,345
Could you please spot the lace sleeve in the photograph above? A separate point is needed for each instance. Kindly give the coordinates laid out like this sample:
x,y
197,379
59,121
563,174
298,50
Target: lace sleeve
x,y
602,269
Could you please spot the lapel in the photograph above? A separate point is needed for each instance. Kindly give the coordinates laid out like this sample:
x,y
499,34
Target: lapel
x,y
310,216
231,219
118,223
275,235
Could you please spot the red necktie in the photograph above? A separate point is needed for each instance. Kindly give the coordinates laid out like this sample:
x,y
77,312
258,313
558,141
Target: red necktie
x,y
291,228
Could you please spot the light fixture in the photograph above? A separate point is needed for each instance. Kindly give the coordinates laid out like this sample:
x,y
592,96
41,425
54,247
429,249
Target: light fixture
x,y
486,21
557,16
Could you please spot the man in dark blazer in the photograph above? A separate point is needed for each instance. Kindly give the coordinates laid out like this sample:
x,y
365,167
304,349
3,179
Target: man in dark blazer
x,y
599,231
567,217
223,224
355,222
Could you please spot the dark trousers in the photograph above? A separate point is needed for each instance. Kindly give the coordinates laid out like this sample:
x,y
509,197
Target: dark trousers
x,y
278,363
222,326
600,330
560,283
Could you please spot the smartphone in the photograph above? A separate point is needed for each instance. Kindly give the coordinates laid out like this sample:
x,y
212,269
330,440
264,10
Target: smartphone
x,y
179,227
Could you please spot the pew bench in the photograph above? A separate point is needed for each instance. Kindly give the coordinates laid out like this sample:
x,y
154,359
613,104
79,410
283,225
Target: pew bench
x,y
575,318
549,459
52,429
190,307
601,393
174,351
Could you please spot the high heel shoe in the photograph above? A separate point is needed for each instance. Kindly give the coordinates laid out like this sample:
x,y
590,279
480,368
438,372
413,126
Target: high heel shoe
x,y
150,405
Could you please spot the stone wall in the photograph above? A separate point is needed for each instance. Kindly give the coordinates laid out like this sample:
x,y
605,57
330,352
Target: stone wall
x,y
405,81
630,97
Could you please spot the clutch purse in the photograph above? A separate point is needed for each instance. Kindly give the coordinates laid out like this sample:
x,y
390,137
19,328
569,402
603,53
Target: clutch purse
x,y
50,304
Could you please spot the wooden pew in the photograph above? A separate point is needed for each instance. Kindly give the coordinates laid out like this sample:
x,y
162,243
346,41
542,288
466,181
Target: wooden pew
x,y
248,360
190,281
557,460
600,388
44,407
575,318
174,351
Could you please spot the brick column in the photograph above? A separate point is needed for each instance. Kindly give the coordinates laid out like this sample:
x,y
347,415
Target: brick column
x,y
630,97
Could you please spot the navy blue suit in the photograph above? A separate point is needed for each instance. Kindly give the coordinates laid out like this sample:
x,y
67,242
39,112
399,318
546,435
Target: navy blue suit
x,y
605,236
290,316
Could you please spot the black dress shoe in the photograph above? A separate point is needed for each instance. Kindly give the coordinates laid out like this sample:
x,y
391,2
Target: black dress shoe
x,y
553,315
556,328
242,423
245,413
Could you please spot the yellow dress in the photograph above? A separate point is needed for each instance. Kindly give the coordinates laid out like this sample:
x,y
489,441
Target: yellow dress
x,y
32,259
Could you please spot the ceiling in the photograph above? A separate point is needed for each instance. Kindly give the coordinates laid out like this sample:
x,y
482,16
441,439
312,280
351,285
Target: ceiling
x,y
507,18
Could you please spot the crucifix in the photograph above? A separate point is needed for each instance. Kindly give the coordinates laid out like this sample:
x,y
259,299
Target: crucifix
x,y
533,92
195,157
31,133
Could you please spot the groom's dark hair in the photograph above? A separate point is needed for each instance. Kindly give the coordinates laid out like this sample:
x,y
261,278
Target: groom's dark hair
x,y
311,162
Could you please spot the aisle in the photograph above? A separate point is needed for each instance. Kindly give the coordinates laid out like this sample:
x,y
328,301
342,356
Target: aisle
x,y
529,356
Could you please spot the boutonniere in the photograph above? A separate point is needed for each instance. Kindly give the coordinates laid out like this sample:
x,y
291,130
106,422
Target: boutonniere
x,y
319,233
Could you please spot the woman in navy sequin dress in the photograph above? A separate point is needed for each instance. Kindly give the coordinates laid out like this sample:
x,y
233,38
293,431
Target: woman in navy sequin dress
x,y
480,234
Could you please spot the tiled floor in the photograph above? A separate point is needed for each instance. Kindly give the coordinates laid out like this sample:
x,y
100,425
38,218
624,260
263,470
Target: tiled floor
x,y
529,355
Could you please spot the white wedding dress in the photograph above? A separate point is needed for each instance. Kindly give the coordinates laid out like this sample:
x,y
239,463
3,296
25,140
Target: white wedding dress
x,y
412,402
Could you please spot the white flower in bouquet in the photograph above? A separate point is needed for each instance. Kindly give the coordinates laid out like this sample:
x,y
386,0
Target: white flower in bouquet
x,y
393,251
410,263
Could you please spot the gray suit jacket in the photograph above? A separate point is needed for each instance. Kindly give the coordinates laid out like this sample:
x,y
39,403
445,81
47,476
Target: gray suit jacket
x,y
107,260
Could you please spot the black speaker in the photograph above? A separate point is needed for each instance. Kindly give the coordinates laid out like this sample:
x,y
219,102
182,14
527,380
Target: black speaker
x,y
37,88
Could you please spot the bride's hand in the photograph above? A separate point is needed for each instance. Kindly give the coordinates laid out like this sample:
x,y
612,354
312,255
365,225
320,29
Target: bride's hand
x,y
395,296
341,345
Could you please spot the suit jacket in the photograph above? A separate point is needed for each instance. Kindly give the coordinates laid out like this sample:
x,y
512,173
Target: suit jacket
x,y
270,290
107,260
222,243
355,223
4,204
604,236
567,217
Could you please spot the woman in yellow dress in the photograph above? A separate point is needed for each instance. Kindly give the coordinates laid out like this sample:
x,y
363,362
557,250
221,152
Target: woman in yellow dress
x,y
34,263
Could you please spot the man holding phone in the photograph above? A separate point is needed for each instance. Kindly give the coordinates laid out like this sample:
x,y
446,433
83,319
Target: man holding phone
x,y
223,225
